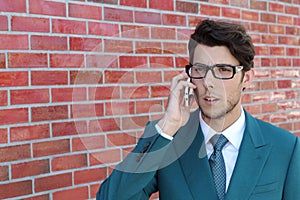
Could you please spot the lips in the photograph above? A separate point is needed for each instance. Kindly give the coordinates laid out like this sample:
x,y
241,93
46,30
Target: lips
x,y
210,99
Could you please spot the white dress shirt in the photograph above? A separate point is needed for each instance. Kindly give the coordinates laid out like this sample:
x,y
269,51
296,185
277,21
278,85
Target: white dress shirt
x,y
230,151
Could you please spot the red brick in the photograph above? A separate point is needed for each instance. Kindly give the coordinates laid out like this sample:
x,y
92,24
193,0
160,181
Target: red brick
x,y
32,168
69,128
2,61
85,11
160,91
13,116
149,77
174,48
13,6
276,29
33,132
119,108
135,31
285,20
168,75
27,60
51,148
248,15
89,175
121,139
258,5
14,42
135,92
291,30
134,3
45,7
3,23
104,93
53,182
3,98
120,15
163,33
68,26
287,62
88,143
147,17
104,125
107,156
101,61
69,162
149,106
3,137
231,12
86,77
12,153
259,27
4,173
119,77
118,46
284,84
211,10
161,62
187,7
29,96
289,40
148,47
30,24
134,122
133,61
291,10
267,17
39,197
49,77
13,79
49,43
15,189
174,20
269,39
66,60
45,113
85,44
161,4
290,51
103,29
93,190
74,193
87,110
277,51
68,94
261,50
276,7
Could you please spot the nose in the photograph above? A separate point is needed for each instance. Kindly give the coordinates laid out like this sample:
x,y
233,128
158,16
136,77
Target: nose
x,y
209,79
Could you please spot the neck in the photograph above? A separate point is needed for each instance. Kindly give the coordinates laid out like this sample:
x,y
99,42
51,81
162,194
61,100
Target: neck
x,y
221,123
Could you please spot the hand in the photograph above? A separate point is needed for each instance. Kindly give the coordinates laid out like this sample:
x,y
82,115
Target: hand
x,y
177,113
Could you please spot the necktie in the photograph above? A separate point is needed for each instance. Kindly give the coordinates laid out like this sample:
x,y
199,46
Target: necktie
x,y
217,165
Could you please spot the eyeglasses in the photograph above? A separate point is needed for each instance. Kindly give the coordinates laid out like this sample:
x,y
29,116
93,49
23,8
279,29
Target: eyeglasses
x,y
219,71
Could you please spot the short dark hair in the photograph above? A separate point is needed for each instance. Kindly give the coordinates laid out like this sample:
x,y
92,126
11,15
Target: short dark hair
x,y
219,33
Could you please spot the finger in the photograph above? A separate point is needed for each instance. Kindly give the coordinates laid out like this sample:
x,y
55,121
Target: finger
x,y
179,77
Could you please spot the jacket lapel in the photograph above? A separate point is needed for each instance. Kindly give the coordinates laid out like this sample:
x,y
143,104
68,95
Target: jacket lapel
x,y
253,153
194,161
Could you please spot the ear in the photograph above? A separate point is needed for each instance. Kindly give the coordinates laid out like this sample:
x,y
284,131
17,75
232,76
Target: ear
x,y
248,77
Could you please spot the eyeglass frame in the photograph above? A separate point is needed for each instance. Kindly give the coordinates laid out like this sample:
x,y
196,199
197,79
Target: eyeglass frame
x,y
236,69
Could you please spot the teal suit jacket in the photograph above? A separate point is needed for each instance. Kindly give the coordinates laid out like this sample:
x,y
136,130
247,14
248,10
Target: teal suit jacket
x,y
267,167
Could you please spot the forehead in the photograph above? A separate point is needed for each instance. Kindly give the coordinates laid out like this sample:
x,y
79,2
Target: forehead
x,y
213,55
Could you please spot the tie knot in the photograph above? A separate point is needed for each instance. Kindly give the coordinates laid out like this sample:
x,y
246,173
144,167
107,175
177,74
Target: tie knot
x,y
219,142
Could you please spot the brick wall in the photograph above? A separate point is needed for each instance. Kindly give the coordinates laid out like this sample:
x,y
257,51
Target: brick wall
x,y
80,78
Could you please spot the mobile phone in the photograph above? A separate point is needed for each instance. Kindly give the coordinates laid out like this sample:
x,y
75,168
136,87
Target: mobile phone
x,y
187,92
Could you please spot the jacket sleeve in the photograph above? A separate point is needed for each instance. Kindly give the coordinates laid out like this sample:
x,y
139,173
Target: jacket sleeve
x,y
135,177
292,183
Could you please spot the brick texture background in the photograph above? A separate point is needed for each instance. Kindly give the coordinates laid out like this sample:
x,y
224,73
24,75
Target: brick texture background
x,y
80,78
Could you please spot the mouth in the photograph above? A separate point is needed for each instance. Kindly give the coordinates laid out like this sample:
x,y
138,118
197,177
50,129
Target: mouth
x,y
210,99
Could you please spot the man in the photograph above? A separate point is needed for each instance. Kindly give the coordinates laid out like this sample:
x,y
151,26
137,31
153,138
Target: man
x,y
218,151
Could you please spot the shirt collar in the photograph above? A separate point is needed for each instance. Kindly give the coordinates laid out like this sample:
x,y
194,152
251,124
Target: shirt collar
x,y
233,133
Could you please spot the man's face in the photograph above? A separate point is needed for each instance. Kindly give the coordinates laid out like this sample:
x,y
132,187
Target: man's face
x,y
218,98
